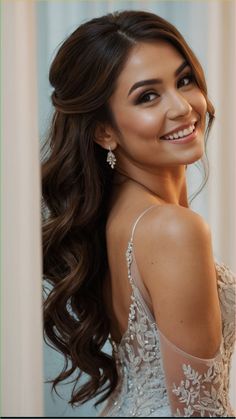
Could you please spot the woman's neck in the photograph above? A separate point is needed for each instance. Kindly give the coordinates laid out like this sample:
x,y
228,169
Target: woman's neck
x,y
166,189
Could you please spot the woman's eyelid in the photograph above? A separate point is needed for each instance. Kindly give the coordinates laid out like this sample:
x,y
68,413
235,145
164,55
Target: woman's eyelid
x,y
146,93
151,90
188,75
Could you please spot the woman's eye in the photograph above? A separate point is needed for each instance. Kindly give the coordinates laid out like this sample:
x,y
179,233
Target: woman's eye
x,y
186,80
147,97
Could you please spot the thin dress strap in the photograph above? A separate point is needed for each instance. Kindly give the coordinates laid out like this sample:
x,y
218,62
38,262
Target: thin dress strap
x,y
137,220
133,271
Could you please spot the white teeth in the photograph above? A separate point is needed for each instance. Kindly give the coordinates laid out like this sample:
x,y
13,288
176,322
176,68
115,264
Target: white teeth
x,y
180,134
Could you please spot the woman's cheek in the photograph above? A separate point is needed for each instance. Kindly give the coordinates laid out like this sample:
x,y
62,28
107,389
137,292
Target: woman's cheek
x,y
204,106
148,122
139,121
199,103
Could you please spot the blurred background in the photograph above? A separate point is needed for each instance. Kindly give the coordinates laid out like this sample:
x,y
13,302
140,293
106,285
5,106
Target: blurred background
x,y
31,33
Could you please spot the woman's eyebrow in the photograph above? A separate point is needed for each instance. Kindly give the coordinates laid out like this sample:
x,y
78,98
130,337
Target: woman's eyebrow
x,y
156,81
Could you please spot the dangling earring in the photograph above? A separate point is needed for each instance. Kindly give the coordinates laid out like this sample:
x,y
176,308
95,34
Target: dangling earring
x,y
111,158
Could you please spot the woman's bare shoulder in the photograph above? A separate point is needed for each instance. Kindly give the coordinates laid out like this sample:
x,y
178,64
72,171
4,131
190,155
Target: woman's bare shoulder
x,y
175,259
168,223
168,234
173,218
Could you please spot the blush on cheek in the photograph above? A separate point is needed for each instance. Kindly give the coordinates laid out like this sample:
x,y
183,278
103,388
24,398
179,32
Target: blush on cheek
x,y
201,105
147,125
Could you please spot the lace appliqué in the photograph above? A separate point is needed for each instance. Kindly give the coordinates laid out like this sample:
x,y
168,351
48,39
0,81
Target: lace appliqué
x,y
203,393
227,291
207,393
142,389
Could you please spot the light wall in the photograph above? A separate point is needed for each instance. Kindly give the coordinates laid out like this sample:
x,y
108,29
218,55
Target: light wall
x,y
37,27
22,350
209,28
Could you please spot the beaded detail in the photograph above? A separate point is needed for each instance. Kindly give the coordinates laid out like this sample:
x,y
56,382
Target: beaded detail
x,y
142,388
207,393
129,259
203,393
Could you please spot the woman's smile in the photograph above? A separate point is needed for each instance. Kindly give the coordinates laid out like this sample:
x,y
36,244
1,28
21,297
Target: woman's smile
x,y
185,139
180,131
157,101
182,136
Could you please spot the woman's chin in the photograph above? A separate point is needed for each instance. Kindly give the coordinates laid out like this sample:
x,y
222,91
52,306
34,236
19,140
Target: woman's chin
x,y
194,155
195,158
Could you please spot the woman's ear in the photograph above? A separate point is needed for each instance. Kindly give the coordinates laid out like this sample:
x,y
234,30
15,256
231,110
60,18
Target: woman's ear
x,y
105,137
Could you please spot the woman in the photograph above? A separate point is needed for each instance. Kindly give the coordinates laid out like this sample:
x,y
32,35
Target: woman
x,y
131,112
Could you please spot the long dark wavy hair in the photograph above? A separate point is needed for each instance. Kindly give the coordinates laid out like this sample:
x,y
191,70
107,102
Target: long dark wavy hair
x,y
76,181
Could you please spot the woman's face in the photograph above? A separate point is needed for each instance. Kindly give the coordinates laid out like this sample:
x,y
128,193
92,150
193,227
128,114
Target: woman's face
x,y
155,97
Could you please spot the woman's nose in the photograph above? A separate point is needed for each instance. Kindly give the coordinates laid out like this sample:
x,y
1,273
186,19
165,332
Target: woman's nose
x,y
177,106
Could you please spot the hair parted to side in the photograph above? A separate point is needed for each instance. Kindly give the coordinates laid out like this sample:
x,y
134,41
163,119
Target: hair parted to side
x,y
76,181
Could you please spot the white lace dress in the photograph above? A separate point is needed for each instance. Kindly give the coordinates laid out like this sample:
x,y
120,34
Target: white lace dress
x,y
157,379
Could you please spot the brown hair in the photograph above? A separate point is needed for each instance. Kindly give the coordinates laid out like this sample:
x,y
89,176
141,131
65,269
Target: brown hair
x,y
76,181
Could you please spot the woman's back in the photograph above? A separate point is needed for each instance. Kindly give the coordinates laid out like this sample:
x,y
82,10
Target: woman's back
x,y
166,232
117,288
149,363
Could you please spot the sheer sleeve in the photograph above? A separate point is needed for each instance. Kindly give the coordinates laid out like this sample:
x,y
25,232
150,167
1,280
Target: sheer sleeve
x,y
195,386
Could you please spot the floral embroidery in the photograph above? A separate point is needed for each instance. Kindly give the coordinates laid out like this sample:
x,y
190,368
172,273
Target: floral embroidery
x,y
202,393
142,392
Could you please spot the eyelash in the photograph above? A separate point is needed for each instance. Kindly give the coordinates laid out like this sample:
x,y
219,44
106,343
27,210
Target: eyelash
x,y
189,76
141,99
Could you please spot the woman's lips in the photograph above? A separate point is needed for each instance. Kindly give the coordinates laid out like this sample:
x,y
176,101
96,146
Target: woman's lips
x,y
183,140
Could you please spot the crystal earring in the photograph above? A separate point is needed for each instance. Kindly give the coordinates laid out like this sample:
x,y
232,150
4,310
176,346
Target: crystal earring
x,y
111,158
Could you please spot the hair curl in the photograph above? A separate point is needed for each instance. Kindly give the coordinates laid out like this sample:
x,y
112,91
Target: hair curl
x,y
76,181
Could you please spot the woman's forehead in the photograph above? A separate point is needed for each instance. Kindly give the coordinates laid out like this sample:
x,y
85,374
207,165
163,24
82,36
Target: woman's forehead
x,y
149,60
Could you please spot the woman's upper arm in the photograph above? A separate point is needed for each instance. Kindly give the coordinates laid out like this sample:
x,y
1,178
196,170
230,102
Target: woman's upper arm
x,y
177,267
